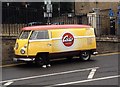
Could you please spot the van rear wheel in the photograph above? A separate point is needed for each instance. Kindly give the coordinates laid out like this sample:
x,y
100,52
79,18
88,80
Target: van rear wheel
x,y
85,55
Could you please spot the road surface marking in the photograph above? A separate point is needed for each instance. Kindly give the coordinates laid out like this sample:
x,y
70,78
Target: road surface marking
x,y
46,75
11,65
83,81
92,73
8,83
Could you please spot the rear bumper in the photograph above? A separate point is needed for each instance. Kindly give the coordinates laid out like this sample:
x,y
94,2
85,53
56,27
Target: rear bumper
x,y
94,52
23,59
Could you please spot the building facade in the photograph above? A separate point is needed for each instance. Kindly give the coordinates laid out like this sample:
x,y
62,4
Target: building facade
x,y
88,7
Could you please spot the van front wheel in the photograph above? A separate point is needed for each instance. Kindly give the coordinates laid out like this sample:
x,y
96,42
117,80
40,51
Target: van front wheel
x,y
39,60
85,55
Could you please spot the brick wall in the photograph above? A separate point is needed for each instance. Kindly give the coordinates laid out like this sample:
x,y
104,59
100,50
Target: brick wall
x,y
86,7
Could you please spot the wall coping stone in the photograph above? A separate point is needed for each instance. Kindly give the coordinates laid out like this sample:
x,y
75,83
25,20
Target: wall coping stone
x,y
108,39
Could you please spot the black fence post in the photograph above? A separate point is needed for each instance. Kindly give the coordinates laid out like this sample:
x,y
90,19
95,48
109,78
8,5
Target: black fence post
x,y
112,26
9,29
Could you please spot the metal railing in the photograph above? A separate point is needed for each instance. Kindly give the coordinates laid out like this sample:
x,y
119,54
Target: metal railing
x,y
102,25
14,19
11,29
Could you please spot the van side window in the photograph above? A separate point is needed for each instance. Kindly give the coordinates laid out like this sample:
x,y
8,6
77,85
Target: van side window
x,y
33,35
43,34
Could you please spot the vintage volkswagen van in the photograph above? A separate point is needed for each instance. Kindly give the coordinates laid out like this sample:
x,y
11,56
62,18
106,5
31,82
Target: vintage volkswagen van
x,y
55,41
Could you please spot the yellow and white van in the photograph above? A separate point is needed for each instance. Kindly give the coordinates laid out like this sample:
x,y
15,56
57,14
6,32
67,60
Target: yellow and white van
x,y
55,41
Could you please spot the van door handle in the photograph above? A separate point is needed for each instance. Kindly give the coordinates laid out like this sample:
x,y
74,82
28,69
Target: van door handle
x,y
49,44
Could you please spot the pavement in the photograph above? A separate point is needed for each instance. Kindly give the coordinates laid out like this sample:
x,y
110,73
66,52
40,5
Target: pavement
x,y
100,70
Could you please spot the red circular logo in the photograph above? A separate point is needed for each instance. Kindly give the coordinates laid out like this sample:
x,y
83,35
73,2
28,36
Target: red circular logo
x,y
68,39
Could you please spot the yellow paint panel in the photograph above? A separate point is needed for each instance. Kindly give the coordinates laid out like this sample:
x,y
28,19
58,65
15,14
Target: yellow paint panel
x,y
39,46
21,44
84,39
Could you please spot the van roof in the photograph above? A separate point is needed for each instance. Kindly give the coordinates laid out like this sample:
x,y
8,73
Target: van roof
x,y
48,27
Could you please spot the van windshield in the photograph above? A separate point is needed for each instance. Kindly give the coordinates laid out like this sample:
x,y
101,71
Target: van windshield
x,y
24,34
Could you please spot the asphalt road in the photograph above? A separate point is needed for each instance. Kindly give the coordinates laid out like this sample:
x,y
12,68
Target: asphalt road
x,y
100,70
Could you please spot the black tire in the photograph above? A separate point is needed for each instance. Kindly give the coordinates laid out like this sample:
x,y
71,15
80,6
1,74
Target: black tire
x,y
69,58
39,60
85,55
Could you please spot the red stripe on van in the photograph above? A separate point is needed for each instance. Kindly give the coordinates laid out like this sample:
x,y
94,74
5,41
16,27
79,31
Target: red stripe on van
x,y
47,27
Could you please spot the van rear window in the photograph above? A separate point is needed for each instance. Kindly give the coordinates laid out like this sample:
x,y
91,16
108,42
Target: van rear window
x,y
24,34
43,34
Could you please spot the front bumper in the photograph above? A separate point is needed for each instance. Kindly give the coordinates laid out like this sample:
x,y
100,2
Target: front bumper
x,y
23,59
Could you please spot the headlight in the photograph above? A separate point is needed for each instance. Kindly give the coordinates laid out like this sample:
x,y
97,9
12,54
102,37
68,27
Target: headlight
x,y
22,51
16,46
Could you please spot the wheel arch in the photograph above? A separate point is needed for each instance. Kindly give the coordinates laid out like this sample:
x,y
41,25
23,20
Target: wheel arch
x,y
42,53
